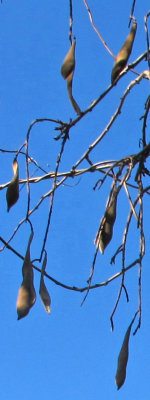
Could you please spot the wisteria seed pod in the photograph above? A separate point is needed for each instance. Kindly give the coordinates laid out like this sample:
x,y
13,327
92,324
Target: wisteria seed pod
x,y
68,65
124,54
27,294
123,359
12,193
45,297
106,232
26,299
44,294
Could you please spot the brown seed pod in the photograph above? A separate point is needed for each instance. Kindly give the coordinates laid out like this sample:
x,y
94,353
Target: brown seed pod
x,y
12,194
105,232
68,65
67,71
25,300
27,295
124,54
123,359
45,297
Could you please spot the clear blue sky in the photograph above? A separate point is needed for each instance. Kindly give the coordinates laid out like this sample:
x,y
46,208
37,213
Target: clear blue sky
x,y
72,353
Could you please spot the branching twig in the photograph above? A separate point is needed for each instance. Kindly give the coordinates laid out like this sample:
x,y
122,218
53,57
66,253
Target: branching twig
x,y
112,168
113,118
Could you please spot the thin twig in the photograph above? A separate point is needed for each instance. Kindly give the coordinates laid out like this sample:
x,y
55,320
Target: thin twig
x,y
130,201
70,21
147,39
31,159
142,250
96,30
27,157
122,285
91,275
144,117
132,12
27,174
14,233
53,191
72,288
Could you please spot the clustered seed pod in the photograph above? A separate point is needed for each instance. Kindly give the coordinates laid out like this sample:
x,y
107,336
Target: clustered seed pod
x,y
105,232
27,295
123,359
67,71
45,297
124,54
12,194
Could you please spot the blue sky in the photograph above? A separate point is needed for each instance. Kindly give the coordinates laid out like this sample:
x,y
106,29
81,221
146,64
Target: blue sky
x,y
72,353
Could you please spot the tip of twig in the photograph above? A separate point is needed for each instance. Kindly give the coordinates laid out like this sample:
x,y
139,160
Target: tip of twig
x,y
131,18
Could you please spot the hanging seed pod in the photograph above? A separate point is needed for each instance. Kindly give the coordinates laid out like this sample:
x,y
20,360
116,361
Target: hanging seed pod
x,y
27,295
124,53
67,71
12,194
25,300
45,297
105,232
68,65
123,359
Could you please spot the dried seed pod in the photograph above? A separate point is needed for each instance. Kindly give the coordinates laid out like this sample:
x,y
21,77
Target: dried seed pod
x,y
124,53
25,300
45,297
67,71
27,295
123,359
105,232
68,65
12,194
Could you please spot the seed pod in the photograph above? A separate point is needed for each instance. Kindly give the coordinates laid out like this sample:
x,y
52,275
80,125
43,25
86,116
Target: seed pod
x,y
123,359
67,71
124,53
12,194
27,295
45,297
105,232
68,65
26,299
